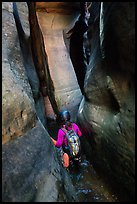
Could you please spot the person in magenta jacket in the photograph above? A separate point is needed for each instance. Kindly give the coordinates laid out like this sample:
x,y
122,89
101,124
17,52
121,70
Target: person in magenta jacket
x,y
62,140
64,122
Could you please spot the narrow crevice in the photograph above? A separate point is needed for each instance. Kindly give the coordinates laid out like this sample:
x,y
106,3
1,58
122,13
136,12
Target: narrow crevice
x,y
77,54
40,57
25,45
34,56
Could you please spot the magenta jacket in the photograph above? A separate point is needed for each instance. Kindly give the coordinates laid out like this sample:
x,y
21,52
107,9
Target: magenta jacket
x,y
61,135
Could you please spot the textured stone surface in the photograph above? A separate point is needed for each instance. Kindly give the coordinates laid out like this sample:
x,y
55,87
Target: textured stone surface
x,y
108,110
32,172
31,168
23,28
18,112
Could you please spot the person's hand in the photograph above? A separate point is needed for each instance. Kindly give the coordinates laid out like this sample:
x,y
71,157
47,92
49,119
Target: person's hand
x,y
54,141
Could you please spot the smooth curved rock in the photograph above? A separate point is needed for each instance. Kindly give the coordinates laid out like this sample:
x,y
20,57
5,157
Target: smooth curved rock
x,y
67,91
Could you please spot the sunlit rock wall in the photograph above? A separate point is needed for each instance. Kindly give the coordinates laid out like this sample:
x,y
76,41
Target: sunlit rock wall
x,y
18,112
53,22
107,112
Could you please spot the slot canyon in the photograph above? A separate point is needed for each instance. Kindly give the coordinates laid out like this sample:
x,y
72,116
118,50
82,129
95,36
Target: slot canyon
x,y
75,56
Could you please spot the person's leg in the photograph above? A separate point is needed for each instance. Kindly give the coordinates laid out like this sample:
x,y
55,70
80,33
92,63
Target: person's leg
x,y
65,160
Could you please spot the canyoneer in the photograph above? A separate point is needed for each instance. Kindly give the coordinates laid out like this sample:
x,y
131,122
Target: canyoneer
x,y
68,139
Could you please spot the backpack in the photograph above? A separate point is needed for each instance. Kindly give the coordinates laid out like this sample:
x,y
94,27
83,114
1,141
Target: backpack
x,y
73,142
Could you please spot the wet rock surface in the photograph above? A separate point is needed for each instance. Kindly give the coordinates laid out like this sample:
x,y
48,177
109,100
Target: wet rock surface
x,y
88,184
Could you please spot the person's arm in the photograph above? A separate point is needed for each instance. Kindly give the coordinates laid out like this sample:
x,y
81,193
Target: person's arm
x,y
76,128
60,138
79,132
54,141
